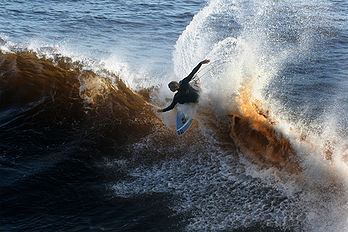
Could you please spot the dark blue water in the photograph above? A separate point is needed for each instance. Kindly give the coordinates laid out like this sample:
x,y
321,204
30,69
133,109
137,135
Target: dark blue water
x,y
132,30
81,151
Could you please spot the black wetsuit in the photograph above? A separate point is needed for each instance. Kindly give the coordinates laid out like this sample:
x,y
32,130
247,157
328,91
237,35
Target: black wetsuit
x,y
186,93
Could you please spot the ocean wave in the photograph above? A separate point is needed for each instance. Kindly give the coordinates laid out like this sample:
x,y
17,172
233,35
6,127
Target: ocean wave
x,y
47,102
43,97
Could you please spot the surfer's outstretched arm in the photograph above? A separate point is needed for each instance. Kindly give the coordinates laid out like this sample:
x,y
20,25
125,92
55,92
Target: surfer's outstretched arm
x,y
170,107
193,72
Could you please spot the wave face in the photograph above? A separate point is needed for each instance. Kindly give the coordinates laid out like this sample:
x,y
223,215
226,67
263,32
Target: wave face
x,y
82,147
57,118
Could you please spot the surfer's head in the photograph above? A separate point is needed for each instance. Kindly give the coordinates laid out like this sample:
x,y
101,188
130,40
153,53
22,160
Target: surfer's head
x,y
173,86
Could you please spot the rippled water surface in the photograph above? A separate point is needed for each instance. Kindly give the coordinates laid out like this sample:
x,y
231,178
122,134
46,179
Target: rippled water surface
x,y
83,149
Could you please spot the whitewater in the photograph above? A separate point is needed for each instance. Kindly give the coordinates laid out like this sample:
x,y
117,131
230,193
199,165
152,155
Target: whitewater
x,y
82,147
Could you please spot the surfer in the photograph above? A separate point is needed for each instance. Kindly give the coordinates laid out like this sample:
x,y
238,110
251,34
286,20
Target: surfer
x,y
186,93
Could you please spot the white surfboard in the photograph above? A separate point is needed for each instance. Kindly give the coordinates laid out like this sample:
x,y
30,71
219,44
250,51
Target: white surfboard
x,y
183,123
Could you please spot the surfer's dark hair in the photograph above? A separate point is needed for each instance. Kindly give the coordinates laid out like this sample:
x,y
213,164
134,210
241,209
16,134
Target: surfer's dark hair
x,y
173,84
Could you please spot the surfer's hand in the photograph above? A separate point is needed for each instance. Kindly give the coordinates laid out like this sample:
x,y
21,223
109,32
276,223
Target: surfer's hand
x,y
205,61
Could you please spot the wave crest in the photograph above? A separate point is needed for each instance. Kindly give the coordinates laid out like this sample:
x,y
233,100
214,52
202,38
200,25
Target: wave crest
x,y
49,97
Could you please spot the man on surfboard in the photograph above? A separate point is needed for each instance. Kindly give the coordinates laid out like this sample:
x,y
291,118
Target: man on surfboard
x,y
186,93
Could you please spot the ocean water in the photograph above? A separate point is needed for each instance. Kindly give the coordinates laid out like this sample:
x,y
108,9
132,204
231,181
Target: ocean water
x,y
82,147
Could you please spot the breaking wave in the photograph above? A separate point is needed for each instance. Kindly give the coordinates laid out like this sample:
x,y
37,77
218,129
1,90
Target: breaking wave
x,y
247,162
